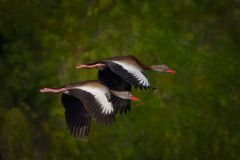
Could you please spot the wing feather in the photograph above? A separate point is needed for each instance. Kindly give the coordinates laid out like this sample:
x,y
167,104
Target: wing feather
x,y
97,105
76,116
129,73
115,82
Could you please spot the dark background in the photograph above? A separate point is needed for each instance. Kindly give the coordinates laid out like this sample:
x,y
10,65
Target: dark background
x,y
194,114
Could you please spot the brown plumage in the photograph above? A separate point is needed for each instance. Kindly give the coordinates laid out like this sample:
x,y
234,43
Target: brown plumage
x,y
121,72
85,100
129,68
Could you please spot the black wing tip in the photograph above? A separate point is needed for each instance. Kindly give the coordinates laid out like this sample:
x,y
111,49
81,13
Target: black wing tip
x,y
79,126
121,106
124,110
106,119
79,133
141,87
80,137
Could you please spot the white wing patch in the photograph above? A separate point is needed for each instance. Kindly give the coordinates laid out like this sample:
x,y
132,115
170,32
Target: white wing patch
x,y
106,106
136,72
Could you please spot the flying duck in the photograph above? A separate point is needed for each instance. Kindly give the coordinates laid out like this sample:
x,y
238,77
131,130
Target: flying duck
x,y
85,100
129,68
120,72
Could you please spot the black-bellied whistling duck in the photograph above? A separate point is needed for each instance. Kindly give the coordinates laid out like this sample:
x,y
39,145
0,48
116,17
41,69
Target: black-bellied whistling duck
x,y
119,73
129,68
85,100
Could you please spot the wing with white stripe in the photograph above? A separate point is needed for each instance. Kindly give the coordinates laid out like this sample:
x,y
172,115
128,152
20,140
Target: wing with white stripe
x,y
96,103
115,82
130,73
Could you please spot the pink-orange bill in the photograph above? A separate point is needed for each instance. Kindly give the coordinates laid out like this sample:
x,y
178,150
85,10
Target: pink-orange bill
x,y
135,98
170,71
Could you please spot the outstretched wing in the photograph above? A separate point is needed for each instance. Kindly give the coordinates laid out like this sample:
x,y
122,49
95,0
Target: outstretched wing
x,y
129,73
115,82
96,103
77,118
121,105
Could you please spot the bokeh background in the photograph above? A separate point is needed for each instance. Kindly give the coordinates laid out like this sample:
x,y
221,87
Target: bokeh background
x,y
194,114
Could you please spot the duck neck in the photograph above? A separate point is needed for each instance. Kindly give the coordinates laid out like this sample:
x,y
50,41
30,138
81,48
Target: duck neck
x,y
118,94
158,68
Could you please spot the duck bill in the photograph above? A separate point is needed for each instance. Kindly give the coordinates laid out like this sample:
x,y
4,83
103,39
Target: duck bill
x,y
170,71
133,98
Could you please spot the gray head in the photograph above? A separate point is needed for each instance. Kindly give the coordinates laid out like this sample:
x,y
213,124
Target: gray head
x,y
124,95
162,68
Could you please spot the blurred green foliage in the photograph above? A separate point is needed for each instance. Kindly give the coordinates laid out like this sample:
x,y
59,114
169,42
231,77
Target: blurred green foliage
x,y
194,114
